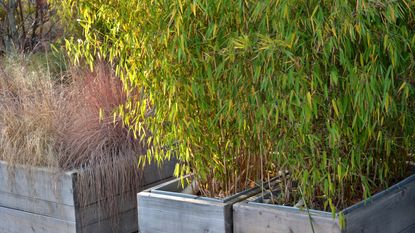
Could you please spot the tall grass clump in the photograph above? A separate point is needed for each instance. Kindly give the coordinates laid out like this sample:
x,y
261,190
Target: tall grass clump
x,y
93,139
246,90
67,123
29,105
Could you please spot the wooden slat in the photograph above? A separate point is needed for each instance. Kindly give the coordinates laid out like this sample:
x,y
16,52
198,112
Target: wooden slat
x,y
40,193
160,214
32,205
410,229
14,221
46,184
252,218
153,174
164,209
38,183
391,211
95,216
127,224
97,212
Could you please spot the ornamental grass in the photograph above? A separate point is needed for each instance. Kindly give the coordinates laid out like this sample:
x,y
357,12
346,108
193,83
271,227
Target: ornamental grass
x,y
66,123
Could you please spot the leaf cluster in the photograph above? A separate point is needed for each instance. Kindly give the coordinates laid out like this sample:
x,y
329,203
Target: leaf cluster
x,y
243,90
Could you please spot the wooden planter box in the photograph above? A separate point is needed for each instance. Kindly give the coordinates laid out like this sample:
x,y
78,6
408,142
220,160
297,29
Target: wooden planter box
x,y
164,209
42,200
390,211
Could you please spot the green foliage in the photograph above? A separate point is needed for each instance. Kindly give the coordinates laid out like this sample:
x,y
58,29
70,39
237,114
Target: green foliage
x,y
244,89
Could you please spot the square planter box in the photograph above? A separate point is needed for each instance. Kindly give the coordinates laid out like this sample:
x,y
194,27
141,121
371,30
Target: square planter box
x,y
42,200
164,209
389,211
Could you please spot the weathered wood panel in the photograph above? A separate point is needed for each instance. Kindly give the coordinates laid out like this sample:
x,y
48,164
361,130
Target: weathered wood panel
x,y
33,205
254,218
15,221
96,212
41,194
410,229
95,215
154,174
151,175
127,223
390,211
160,209
38,183
161,214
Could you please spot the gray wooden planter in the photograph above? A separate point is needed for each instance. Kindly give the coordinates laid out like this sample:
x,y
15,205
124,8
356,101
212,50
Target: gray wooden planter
x,y
164,209
390,211
43,201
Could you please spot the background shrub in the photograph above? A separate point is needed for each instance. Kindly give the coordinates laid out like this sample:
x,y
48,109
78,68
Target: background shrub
x,y
27,25
245,89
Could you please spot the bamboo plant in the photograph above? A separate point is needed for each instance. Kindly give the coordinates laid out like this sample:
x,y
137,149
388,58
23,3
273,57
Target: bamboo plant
x,y
246,90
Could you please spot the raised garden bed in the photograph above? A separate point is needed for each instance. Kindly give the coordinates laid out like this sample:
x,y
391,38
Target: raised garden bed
x,y
390,211
43,200
164,208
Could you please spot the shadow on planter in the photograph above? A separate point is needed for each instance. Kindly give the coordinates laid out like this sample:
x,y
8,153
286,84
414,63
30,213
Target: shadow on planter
x,y
44,200
165,209
389,211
